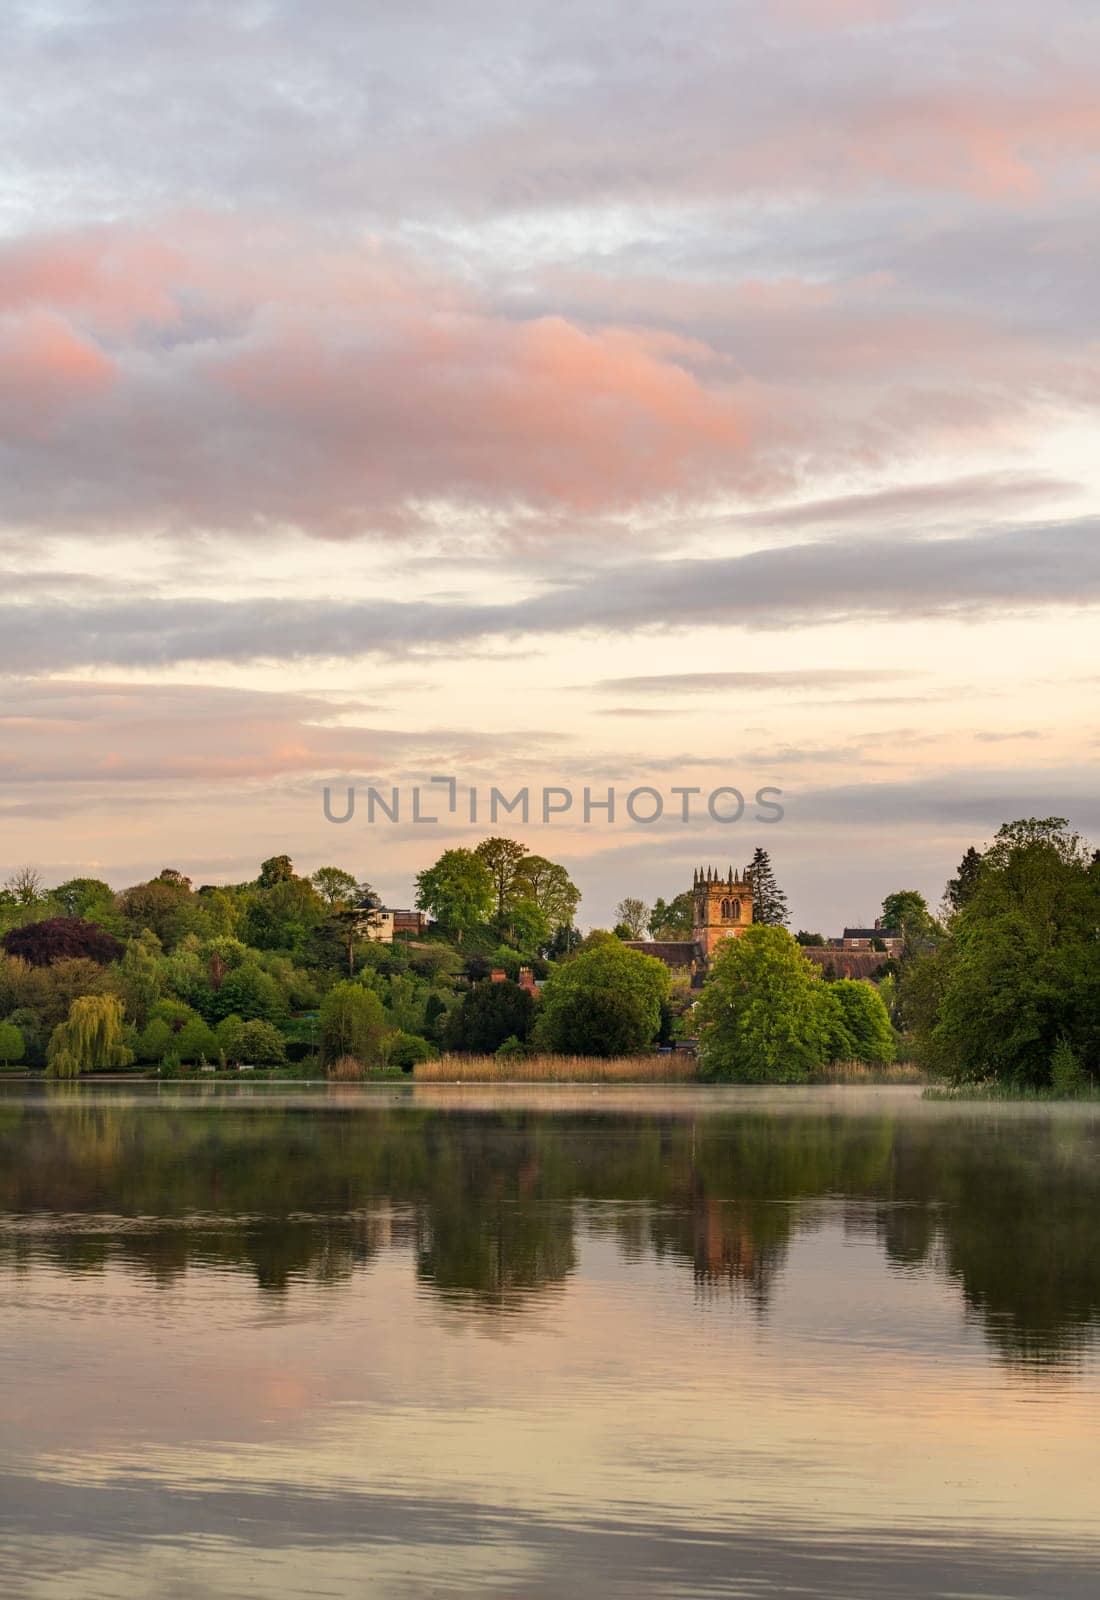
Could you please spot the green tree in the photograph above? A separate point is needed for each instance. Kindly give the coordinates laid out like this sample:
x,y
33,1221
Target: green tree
x,y
550,887
352,1024
195,1041
866,1019
581,986
457,891
1018,969
503,859
90,1040
165,906
276,869
907,911
284,915
155,1040
769,903
11,1043
674,920
489,1014
90,898
760,1016
255,1042
633,915
249,993
337,888
960,889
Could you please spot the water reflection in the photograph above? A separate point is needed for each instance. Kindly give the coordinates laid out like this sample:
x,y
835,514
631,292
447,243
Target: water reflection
x,y
488,1198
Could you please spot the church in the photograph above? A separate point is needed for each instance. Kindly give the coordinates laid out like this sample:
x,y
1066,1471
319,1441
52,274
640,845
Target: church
x,y
721,909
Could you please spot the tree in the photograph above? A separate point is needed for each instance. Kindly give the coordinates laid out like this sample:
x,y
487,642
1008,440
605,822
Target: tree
x,y
352,1024
907,911
155,1040
255,1042
165,906
61,939
458,891
1018,968
866,1019
25,886
502,857
815,941
85,897
489,1014
11,1043
142,976
249,993
276,869
580,987
760,1018
550,887
195,1041
674,920
337,888
960,889
283,915
90,1040
633,915
769,903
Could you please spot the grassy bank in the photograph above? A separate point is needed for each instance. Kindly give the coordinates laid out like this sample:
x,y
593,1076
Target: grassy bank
x,y
1007,1091
679,1068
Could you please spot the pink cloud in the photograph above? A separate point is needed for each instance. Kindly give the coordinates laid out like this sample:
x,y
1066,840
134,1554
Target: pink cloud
x,y
222,375
45,368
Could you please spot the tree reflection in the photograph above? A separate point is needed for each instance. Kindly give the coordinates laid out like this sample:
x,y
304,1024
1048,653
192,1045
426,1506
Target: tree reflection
x,y
489,1205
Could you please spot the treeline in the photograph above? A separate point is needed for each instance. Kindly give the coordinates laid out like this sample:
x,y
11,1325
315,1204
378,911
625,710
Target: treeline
x,y
277,970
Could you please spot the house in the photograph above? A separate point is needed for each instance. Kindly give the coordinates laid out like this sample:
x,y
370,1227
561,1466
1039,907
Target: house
x,y
877,938
384,926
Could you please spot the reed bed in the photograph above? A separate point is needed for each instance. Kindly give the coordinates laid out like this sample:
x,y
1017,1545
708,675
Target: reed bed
x,y
677,1068
864,1072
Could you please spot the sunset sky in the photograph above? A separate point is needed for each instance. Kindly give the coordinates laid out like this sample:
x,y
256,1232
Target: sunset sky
x,y
586,394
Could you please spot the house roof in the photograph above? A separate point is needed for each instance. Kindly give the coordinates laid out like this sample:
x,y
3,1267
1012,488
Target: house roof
x,y
846,963
871,933
673,952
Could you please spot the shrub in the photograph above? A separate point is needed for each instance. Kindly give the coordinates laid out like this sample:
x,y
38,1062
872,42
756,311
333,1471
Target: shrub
x,y
513,1049
407,1050
255,1042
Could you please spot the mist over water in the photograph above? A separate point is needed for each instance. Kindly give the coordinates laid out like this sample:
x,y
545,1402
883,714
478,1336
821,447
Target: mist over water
x,y
546,1342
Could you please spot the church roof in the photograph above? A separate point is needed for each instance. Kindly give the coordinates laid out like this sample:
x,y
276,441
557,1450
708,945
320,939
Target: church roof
x,y
673,952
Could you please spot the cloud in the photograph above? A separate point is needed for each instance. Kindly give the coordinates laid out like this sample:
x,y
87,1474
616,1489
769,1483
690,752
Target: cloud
x,y
92,734
782,679
1021,570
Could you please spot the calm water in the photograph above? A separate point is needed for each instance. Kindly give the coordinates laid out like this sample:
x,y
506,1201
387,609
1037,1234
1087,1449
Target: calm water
x,y
367,1342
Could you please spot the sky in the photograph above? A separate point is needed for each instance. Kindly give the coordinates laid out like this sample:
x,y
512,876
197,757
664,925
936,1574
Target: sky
x,y
698,395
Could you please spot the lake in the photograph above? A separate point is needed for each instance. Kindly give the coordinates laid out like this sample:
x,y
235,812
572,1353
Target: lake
x,y
389,1341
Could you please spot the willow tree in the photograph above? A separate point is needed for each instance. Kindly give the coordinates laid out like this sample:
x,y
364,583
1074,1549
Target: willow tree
x,y
91,1039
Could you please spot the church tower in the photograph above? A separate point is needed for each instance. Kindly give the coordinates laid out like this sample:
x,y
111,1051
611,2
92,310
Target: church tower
x,y
722,907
